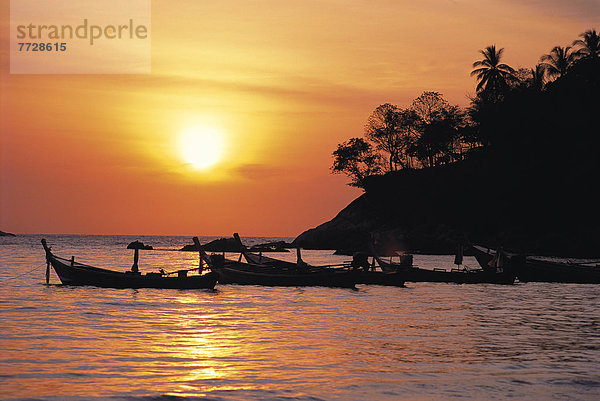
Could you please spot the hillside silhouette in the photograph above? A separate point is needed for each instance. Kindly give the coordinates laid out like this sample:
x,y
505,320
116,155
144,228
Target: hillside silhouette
x,y
531,186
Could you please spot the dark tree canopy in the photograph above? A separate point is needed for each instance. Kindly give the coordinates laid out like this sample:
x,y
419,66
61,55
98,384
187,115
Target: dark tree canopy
x,y
430,105
426,134
440,136
384,129
356,159
558,62
536,78
513,115
588,45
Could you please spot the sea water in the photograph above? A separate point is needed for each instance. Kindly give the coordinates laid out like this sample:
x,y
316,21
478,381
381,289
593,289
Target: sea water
x,y
428,341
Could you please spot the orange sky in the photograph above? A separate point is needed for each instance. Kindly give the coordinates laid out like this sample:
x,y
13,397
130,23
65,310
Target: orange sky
x,y
284,81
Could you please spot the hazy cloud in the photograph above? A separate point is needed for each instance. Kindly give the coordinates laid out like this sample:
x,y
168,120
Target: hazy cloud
x,y
260,171
585,9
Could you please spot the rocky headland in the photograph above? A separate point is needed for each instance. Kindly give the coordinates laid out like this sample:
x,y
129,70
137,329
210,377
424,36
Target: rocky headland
x,y
547,212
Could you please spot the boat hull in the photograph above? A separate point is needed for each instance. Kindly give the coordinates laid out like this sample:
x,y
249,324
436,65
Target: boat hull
x,y
78,274
531,269
457,276
535,270
395,279
239,273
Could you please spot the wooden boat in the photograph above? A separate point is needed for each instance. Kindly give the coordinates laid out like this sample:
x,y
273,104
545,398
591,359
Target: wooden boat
x,y
263,270
368,273
532,269
391,278
260,259
71,272
373,277
540,270
234,272
490,275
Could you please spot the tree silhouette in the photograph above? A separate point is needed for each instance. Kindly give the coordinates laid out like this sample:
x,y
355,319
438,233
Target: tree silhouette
x,y
537,77
493,76
356,159
428,105
589,44
529,78
385,128
512,113
558,61
439,128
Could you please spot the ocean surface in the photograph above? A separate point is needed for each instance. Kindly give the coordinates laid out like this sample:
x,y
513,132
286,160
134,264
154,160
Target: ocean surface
x,y
427,341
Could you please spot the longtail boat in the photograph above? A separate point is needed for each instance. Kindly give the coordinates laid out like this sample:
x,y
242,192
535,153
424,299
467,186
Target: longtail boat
x,y
71,272
501,272
368,273
234,272
262,270
391,278
536,269
541,270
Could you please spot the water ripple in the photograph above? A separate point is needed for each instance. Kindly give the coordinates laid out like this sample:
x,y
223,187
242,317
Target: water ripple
x,y
427,341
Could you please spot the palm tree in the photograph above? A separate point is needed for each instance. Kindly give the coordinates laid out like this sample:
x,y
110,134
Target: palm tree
x,y
493,76
558,61
537,77
589,44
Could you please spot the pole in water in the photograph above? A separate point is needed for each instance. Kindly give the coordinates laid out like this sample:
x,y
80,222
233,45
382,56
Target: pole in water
x,y
299,260
48,256
136,256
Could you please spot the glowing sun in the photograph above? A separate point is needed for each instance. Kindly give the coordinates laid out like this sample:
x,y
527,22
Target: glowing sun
x,y
201,147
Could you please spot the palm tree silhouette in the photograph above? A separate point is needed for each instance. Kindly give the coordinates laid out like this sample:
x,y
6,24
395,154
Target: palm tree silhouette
x,y
589,44
493,76
558,61
537,77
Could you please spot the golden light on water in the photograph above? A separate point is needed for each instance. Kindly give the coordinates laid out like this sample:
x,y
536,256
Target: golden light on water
x,y
201,147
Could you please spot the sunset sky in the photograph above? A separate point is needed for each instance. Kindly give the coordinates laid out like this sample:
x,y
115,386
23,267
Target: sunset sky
x,y
281,83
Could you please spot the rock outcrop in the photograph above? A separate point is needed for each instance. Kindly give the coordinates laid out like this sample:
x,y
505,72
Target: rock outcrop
x,y
433,210
139,245
231,245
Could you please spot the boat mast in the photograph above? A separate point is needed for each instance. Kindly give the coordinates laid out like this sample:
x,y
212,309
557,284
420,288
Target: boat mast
x,y
48,255
202,254
458,258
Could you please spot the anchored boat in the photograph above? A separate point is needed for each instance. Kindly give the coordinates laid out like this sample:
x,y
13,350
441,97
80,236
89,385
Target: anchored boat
x,y
233,272
71,272
263,270
535,269
499,271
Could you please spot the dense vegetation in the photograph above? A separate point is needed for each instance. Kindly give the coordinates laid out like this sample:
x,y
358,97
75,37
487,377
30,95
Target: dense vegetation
x,y
518,167
523,111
